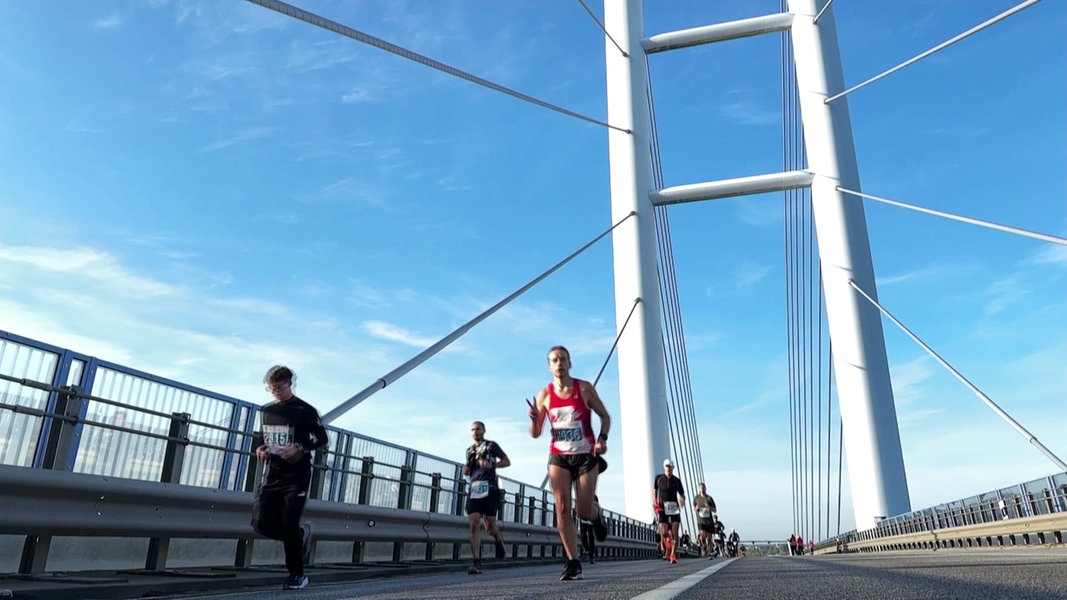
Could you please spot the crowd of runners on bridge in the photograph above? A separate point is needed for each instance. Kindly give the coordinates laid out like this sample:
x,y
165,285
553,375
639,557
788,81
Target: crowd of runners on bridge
x,y
292,429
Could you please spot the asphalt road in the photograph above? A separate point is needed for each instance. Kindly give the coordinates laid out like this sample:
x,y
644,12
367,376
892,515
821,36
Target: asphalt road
x,y
978,574
987,574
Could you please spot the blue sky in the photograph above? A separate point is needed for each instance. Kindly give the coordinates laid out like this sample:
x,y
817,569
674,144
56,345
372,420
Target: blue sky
x,y
202,189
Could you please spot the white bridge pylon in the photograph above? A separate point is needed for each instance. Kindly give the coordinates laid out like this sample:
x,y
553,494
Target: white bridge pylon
x,y
868,412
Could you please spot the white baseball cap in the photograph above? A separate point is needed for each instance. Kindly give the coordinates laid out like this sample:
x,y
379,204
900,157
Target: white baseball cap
x,y
667,463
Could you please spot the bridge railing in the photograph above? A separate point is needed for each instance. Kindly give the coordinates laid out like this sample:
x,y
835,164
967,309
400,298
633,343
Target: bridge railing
x,y
107,443
1034,512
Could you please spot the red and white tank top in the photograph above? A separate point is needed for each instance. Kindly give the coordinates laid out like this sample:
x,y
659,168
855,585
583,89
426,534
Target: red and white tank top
x,y
571,420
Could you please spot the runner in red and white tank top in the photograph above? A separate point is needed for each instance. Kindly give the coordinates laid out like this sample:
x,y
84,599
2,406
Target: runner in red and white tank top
x,y
571,420
573,461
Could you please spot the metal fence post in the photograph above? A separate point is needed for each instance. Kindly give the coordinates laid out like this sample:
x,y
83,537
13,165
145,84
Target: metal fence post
x,y
58,455
403,500
435,498
173,460
318,475
366,478
64,432
459,506
242,558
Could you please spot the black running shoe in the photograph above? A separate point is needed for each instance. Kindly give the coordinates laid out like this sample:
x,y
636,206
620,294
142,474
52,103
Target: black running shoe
x,y
573,570
295,582
600,529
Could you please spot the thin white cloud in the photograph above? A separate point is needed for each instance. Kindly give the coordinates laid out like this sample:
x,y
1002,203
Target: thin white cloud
x,y
760,211
1052,254
394,333
1003,294
749,273
909,378
112,21
741,106
95,265
930,273
357,95
248,135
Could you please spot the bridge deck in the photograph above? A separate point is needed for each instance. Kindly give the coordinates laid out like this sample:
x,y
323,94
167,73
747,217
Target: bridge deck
x,y
971,574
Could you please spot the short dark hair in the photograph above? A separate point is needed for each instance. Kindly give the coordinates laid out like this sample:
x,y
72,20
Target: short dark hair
x,y
279,373
563,348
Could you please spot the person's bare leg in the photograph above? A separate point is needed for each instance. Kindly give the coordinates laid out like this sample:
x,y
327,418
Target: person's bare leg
x,y
561,492
475,520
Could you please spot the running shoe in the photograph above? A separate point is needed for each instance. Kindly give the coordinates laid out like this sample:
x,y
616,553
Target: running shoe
x,y
573,570
501,551
295,582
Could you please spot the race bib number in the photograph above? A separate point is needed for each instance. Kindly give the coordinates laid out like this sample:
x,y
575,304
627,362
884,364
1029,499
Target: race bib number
x,y
277,435
671,508
479,489
704,513
567,434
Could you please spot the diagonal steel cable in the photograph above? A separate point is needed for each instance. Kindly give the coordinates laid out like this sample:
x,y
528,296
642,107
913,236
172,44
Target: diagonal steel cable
x,y
441,344
938,213
319,21
616,343
602,28
937,48
981,396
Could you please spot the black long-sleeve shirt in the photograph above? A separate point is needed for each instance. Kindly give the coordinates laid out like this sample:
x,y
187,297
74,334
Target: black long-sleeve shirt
x,y
289,422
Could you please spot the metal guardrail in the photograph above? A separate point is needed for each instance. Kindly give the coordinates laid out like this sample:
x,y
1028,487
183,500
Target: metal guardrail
x,y
1029,513
91,448
38,501
1042,529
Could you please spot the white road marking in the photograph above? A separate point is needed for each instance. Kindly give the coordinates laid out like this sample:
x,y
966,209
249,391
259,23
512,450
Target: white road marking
x,y
674,588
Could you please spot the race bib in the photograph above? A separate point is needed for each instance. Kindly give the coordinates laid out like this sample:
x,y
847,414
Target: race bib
x,y
479,489
568,434
277,435
671,508
704,513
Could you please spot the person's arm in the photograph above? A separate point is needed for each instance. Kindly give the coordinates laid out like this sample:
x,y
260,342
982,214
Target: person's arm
x,y
537,411
259,445
502,459
592,399
319,438
467,463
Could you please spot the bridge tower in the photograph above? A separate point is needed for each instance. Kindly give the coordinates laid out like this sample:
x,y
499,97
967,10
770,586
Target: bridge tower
x,y
868,412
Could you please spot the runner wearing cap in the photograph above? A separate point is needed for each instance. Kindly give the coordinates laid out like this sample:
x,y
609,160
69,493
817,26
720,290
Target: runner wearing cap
x,y
667,490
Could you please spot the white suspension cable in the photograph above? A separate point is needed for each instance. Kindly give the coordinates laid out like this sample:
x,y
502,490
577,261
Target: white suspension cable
x,y
318,21
993,405
990,225
441,344
602,28
943,45
824,8
615,344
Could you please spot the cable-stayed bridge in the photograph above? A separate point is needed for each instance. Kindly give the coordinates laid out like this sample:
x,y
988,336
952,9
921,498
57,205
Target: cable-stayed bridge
x,y
657,407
